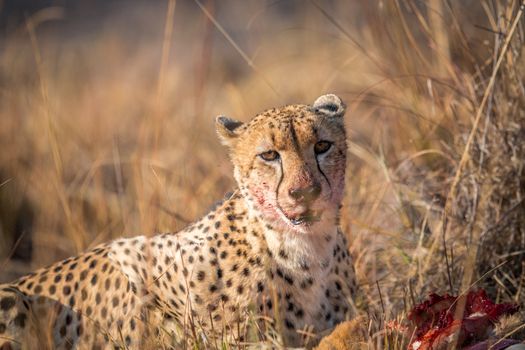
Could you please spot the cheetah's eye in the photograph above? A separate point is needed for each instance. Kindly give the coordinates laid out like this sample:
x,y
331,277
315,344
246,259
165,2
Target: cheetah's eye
x,y
269,155
322,147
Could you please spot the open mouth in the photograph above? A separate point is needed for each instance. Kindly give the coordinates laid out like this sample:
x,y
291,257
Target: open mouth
x,y
305,218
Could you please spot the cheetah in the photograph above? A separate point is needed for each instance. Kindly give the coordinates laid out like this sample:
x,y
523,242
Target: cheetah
x,y
269,257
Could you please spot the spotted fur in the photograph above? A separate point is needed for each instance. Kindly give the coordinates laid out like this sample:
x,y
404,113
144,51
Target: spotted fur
x,y
273,248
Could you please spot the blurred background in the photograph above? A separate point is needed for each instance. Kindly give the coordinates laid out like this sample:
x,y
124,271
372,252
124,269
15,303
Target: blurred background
x,y
107,127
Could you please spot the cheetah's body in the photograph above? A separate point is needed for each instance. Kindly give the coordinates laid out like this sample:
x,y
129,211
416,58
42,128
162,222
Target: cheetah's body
x,y
274,245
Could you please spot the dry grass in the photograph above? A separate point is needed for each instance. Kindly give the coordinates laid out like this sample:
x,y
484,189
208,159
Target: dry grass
x,y
106,127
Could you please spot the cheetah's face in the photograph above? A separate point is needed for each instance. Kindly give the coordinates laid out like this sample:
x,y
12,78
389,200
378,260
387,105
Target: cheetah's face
x,y
290,162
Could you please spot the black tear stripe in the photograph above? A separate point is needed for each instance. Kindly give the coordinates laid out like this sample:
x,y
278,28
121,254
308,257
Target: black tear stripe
x,y
279,186
322,173
317,160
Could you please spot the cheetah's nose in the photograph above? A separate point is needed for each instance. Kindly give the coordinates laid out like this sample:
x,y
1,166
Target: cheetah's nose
x,y
305,194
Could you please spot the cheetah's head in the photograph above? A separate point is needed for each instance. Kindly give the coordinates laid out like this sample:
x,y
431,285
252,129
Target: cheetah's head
x,y
290,162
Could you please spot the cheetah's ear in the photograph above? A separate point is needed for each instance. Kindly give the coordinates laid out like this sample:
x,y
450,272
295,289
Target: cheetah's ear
x,y
329,105
227,128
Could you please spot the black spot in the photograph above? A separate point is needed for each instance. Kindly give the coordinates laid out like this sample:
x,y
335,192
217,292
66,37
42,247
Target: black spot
x,y
94,280
306,283
20,320
38,289
52,289
201,275
219,273
246,272
66,290
69,319
290,307
212,288
260,286
69,277
83,275
240,289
